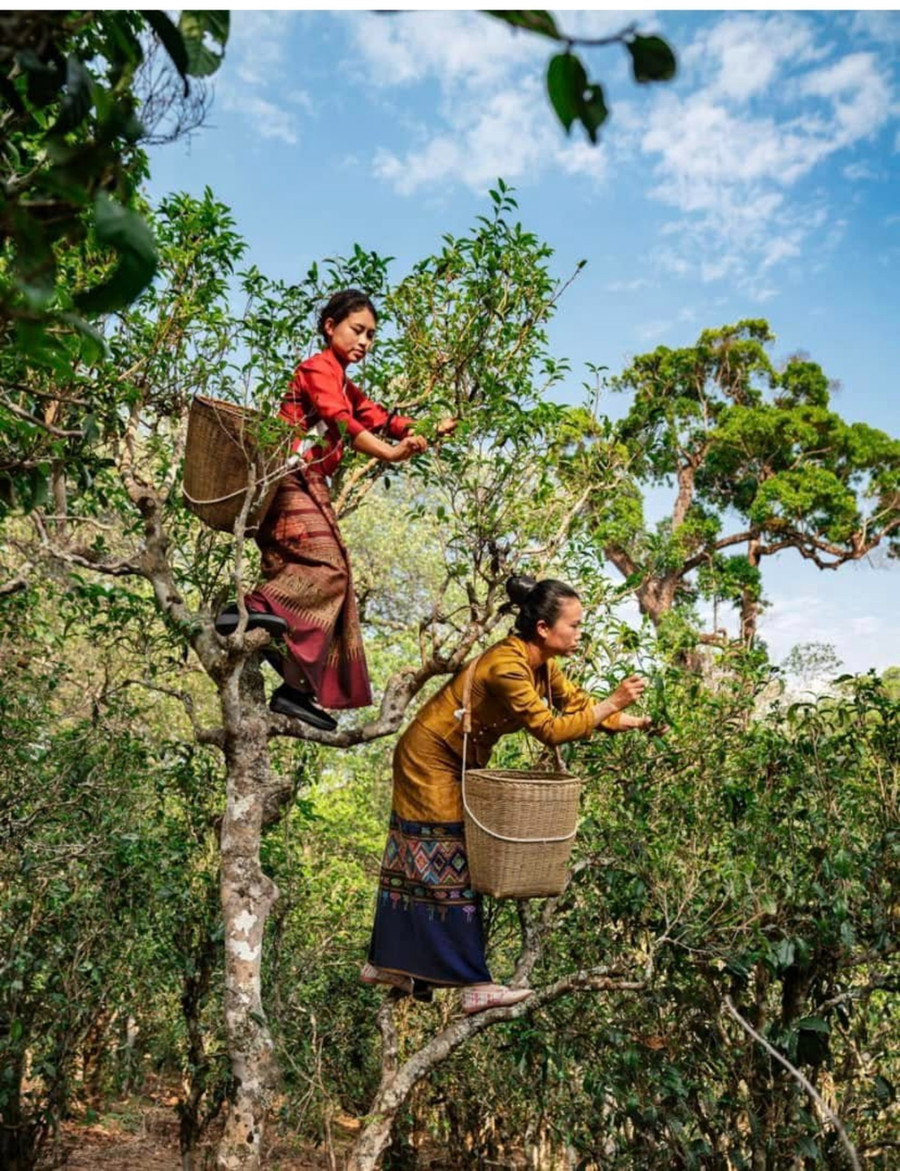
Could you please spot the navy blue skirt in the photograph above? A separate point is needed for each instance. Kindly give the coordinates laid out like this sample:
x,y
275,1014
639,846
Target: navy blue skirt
x,y
428,920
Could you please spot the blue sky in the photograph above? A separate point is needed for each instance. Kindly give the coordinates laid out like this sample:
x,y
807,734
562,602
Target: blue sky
x,y
761,182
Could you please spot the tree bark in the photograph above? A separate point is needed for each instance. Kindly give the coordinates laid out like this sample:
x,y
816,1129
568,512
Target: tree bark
x,y
750,597
247,898
398,1080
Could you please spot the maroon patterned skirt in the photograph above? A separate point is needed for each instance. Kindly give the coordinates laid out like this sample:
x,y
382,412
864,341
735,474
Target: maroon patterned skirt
x,y
308,583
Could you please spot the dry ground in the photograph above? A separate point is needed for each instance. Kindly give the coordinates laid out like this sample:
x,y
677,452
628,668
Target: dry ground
x,y
143,1136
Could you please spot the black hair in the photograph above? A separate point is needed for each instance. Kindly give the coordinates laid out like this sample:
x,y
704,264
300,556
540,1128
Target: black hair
x,y
342,304
536,601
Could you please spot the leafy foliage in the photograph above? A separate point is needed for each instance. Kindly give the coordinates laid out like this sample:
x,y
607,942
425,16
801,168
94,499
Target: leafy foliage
x,y
737,438
82,92
572,95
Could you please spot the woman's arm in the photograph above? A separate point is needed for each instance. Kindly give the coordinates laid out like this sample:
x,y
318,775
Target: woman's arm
x,y
628,692
569,699
391,453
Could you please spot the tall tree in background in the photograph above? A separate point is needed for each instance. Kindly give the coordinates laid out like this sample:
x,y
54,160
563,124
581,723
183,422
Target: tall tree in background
x,y
757,461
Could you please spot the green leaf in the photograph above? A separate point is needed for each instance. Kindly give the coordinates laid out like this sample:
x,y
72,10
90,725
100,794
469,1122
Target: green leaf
x,y
652,59
15,1030
783,953
172,41
43,78
125,232
77,99
594,111
194,26
813,1024
532,20
566,83
39,484
95,348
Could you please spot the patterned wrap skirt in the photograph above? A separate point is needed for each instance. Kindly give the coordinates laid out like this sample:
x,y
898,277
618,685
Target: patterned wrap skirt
x,y
428,921
308,583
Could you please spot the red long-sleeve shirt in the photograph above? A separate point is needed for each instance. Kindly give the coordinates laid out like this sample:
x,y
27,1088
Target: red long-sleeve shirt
x,y
320,392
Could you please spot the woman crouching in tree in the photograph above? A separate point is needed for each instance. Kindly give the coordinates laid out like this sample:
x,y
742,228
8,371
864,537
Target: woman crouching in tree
x,y
428,926
307,598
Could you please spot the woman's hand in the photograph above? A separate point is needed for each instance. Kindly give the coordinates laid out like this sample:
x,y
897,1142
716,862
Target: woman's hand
x,y
406,448
447,426
628,692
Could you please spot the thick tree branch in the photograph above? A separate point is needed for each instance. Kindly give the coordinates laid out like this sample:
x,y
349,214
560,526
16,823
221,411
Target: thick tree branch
x,y
18,583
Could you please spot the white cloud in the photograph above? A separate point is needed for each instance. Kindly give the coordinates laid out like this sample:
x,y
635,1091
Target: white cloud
x,y
651,331
858,172
859,93
743,55
454,48
632,286
494,119
257,45
883,27
763,99
507,132
861,641
729,165
253,85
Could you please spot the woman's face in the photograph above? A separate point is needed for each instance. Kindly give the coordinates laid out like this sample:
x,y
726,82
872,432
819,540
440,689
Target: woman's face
x,y
351,337
562,637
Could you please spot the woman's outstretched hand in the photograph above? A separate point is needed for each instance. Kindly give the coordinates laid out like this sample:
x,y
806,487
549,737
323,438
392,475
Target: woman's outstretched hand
x,y
628,692
406,448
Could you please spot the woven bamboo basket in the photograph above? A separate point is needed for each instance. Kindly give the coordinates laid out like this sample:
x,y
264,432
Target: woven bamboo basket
x,y
519,823
520,826
222,459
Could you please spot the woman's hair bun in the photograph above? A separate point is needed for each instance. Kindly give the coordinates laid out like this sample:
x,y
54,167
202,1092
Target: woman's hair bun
x,y
519,587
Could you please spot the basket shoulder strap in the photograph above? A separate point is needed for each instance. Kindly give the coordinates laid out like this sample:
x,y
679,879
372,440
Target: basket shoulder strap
x,y
468,680
560,763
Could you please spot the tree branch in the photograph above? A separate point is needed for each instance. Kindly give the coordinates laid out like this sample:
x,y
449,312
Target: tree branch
x,y
804,1082
16,584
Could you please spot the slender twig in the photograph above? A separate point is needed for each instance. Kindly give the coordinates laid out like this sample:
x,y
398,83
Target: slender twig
x,y
804,1082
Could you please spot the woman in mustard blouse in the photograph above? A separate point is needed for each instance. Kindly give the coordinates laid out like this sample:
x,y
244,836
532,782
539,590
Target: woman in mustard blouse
x,y
428,924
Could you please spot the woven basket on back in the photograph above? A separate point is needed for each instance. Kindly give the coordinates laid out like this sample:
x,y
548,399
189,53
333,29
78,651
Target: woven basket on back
x,y
519,823
221,459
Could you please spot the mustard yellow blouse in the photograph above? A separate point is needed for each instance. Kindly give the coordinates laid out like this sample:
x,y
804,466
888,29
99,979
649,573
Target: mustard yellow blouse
x,y
508,694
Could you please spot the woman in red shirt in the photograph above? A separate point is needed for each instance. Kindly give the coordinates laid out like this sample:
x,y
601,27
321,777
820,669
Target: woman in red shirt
x,y
307,598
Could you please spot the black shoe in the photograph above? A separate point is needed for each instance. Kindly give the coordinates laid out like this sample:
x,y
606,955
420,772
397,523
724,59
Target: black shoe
x,y
288,701
422,991
227,621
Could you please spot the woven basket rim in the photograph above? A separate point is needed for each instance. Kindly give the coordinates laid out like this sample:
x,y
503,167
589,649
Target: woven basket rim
x,y
523,776
223,404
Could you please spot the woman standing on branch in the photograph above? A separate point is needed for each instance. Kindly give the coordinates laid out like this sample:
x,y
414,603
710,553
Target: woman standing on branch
x,y
307,598
428,926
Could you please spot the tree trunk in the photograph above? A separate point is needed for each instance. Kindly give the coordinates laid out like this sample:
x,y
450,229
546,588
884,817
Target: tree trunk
x,y
750,597
247,897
